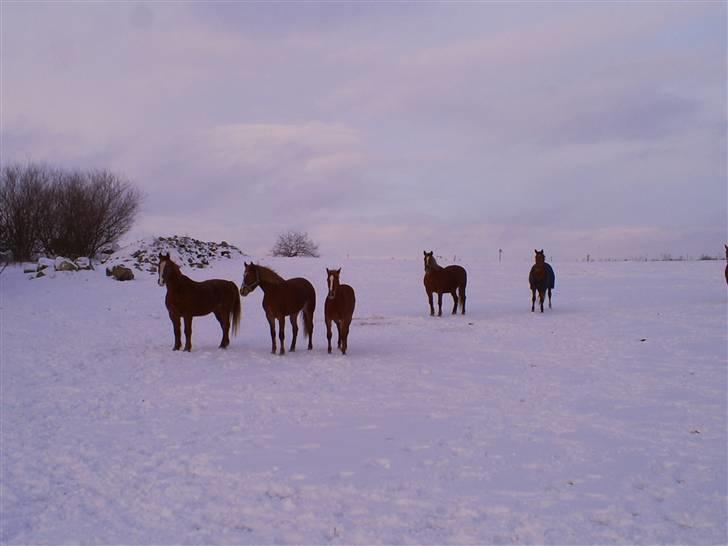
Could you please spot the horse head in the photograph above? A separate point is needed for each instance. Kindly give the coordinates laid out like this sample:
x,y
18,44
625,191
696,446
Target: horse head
x,y
540,257
332,276
163,268
430,262
251,279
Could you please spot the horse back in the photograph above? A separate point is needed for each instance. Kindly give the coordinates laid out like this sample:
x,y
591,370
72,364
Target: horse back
x,y
457,274
200,298
290,297
446,279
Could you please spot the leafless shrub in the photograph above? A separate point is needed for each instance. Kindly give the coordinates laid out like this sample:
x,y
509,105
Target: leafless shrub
x,y
21,207
295,243
68,213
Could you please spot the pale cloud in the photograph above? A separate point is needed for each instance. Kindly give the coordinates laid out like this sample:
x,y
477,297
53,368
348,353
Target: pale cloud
x,y
390,126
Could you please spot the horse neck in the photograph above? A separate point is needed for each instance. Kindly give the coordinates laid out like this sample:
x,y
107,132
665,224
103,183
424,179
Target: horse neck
x,y
269,281
175,277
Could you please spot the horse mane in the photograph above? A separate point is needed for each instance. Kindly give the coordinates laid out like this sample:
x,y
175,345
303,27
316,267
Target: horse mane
x,y
174,265
433,263
267,275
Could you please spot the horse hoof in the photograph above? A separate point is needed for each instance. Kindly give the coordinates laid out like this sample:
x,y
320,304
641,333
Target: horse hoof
x,y
329,350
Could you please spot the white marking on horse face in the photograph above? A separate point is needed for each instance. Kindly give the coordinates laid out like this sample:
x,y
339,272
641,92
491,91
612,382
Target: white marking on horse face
x,y
331,285
162,265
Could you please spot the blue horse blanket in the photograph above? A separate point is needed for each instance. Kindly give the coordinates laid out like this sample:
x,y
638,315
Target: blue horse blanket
x,y
550,276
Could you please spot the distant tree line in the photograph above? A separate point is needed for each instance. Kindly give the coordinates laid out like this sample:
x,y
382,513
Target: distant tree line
x,y
60,212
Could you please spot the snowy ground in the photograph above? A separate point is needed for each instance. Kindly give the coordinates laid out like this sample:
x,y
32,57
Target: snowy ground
x,y
601,421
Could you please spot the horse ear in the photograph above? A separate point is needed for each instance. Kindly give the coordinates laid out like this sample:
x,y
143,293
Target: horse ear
x,y
424,252
338,270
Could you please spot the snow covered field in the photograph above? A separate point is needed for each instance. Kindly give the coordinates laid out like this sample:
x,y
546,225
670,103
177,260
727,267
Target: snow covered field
x,y
602,421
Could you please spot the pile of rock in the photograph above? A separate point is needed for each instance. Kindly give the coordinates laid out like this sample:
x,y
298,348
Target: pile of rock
x,y
49,265
143,255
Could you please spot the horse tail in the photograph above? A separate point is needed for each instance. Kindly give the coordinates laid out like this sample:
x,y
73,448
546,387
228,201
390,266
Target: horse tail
x,y
461,290
308,308
235,313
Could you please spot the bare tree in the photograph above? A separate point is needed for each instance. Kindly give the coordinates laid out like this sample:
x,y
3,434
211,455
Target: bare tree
x,y
21,207
69,213
295,243
92,210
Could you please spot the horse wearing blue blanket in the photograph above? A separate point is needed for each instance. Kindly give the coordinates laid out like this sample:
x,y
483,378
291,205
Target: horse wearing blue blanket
x,y
541,278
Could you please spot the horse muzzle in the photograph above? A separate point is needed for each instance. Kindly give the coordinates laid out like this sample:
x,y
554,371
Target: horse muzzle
x,y
245,290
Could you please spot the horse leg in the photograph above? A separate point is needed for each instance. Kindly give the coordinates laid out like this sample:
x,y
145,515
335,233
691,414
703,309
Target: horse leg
x,y
345,335
541,297
439,304
294,327
272,324
328,332
308,318
338,334
533,300
462,299
455,302
432,307
549,298
282,333
224,320
177,334
188,333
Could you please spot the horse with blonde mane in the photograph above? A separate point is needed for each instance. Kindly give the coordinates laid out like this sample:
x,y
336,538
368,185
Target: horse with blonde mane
x,y
282,298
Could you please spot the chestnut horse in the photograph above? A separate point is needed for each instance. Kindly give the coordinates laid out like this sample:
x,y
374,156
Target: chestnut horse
x,y
541,278
282,298
438,279
339,308
187,298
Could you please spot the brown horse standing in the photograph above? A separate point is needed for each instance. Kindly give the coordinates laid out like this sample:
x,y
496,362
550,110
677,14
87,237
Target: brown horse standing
x,y
339,308
282,298
187,298
438,279
541,278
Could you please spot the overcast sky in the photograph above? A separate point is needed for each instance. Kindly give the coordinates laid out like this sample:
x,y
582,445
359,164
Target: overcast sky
x,y
387,128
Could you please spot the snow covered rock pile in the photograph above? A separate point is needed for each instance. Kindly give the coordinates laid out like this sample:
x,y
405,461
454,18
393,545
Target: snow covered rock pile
x,y
186,251
49,265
